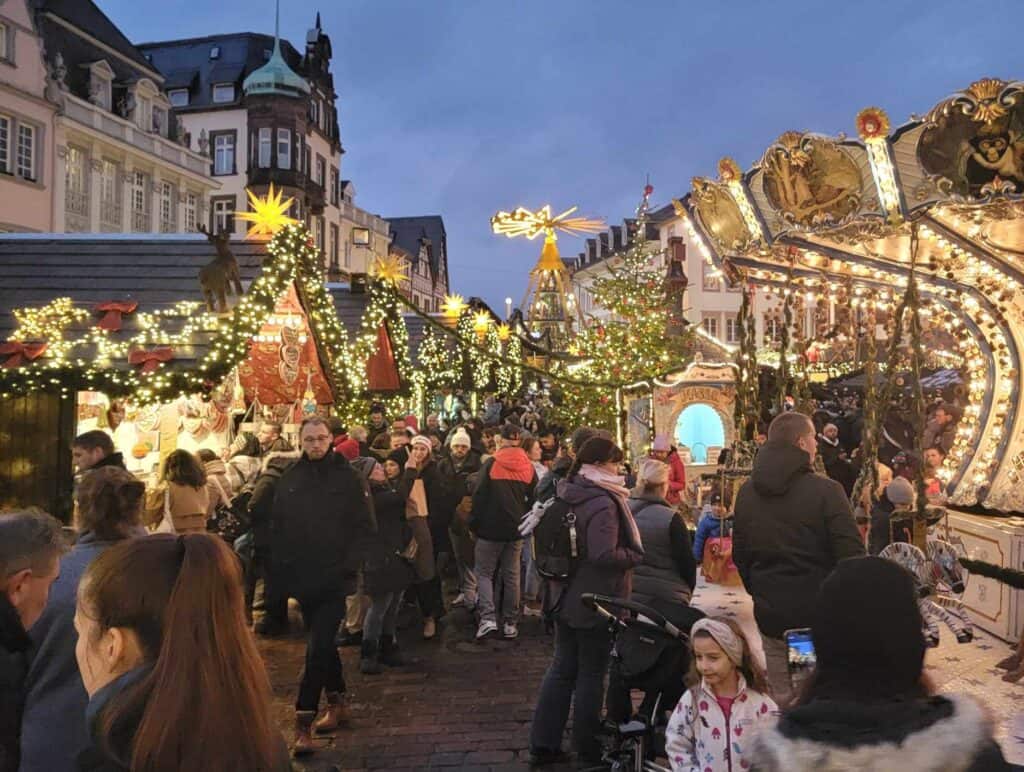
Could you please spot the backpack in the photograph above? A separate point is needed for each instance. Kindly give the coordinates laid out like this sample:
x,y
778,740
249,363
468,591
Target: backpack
x,y
557,544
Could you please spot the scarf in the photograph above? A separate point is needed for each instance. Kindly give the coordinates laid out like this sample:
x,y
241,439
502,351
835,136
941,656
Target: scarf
x,y
616,486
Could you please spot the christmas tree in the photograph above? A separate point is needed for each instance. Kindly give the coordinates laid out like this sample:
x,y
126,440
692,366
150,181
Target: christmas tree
x,y
634,344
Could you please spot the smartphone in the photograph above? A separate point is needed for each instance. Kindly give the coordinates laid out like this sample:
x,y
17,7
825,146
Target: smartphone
x,y
800,654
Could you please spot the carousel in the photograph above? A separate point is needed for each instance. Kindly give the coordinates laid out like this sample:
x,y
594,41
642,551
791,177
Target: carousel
x,y
916,234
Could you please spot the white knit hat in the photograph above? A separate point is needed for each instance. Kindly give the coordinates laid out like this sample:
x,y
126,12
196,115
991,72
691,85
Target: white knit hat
x,y
460,437
421,439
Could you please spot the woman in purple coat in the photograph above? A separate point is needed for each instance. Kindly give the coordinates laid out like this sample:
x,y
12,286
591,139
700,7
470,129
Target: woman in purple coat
x,y
597,494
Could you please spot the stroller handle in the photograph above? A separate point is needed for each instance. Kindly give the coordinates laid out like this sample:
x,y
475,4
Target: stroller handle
x,y
597,603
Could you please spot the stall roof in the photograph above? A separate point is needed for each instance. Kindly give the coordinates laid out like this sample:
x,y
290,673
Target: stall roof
x,y
157,273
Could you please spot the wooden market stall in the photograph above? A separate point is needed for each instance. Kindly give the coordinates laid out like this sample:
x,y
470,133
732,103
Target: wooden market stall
x,y
115,333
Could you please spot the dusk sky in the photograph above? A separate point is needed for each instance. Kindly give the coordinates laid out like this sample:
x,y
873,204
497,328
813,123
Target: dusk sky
x,y
464,107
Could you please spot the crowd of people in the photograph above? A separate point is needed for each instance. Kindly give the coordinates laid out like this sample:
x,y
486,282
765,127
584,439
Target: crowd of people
x,y
359,520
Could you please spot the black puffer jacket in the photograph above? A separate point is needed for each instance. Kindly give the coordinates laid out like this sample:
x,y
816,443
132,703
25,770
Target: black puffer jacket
x,y
791,528
14,643
320,522
384,570
503,495
924,735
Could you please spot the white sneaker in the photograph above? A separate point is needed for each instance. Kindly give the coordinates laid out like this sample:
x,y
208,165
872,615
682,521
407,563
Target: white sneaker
x,y
486,628
509,630
460,600
530,611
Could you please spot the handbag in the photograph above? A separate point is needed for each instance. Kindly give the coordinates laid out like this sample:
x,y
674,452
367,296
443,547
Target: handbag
x,y
228,521
717,564
166,524
416,503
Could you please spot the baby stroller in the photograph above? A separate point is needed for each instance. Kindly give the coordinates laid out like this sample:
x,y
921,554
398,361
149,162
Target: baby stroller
x,y
651,652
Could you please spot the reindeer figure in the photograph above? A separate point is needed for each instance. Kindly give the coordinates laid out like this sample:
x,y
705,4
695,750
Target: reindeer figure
x,y
220,276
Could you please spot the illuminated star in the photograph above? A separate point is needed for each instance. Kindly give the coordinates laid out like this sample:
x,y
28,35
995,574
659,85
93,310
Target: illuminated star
x,y
390,269
454,305
268,214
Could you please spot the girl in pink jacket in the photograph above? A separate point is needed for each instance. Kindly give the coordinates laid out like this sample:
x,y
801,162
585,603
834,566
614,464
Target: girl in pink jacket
x,y
713,722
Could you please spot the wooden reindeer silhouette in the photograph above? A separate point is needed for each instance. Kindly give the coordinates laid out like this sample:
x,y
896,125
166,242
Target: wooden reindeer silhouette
x,y
220,276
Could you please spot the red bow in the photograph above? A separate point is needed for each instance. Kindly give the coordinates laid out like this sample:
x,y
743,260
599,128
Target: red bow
x,y
112,310
151,359
18,353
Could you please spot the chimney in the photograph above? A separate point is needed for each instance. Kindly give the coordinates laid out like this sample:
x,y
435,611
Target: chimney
x,y
591,250
604,251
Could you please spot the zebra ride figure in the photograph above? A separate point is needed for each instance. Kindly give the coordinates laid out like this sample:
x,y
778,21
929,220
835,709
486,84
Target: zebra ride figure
x,y
939,578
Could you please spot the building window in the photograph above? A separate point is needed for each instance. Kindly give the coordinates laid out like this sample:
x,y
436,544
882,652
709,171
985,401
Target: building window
x,y
265,145
5,53
732,329
191,212
223,92
305,159
160,121
284,149
314,112
26,158
772,329
224,153
140,202
711,281
334,186
321,170
5,144
143,113
215,52
333,253
178,97
168,207
319,225
222,214
76,190
110,196
711,325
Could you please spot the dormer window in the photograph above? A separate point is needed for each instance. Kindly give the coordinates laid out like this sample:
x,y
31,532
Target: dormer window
x,y
223,92
215,52
178,97
101,78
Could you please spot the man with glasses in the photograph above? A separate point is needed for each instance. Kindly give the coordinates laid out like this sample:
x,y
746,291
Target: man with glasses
x,y
319,518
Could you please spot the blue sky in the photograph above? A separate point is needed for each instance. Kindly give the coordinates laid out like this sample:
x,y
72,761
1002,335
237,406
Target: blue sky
x,y
464,107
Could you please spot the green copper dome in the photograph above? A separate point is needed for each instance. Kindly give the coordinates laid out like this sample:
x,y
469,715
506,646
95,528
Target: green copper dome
x,y
276,77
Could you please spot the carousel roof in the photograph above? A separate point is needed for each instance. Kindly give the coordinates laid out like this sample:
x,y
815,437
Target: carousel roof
x,y
943,197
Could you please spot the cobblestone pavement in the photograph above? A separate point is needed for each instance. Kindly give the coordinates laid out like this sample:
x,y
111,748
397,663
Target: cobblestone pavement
x,y
460,704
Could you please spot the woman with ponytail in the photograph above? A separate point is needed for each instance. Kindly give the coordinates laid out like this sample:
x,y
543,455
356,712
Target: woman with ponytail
x,y
109,504
597,495
175,681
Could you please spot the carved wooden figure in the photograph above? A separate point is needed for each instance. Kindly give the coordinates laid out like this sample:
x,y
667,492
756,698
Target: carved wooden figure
x,y
220,276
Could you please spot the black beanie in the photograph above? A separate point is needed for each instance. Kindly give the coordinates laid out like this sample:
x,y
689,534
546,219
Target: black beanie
x,y
867,628
399,455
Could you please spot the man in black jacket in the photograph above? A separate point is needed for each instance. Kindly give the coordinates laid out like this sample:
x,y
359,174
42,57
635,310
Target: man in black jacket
x,y
455,468
320,517
791,528
93,450
31,544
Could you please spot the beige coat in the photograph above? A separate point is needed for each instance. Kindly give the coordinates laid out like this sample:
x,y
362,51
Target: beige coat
x,y
188,507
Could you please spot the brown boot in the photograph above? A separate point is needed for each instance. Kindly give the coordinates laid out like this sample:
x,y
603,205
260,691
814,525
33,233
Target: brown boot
x,y
1010,663
304,744
335,714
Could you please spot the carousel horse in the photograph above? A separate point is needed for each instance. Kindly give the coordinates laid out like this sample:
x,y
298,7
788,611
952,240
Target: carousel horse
x,y
939,579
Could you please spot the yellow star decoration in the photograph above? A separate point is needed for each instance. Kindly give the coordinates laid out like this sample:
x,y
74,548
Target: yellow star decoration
x,y
268,214
504,332
390,269
454,305
481,321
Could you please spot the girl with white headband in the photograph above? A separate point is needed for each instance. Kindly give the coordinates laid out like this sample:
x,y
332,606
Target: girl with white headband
x,y
713,722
